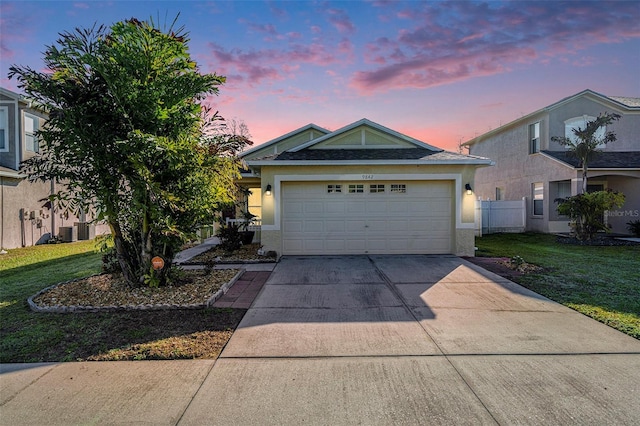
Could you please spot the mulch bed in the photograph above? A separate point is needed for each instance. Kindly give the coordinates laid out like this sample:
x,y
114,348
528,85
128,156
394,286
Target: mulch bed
x,y
194,288
245,254
503,266
598,240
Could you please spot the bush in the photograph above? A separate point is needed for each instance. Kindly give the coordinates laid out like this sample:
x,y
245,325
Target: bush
x,y
230,238
586,211
634,227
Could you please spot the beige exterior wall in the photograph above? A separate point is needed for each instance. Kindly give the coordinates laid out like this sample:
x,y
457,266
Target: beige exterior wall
x,y
516,170
18,195
460,175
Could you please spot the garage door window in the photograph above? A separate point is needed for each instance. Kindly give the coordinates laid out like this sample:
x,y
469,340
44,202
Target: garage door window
x,y
400,188
334,189
375,188
356,189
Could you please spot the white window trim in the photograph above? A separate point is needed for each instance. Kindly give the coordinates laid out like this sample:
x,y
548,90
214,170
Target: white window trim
x,y
533,200
35,130
531,138
4,127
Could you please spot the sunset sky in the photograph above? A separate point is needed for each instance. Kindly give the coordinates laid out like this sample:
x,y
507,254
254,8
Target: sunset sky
x,y
441,72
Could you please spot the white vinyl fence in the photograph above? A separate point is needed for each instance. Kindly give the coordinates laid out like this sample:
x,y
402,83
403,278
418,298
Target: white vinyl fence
x,y
500,216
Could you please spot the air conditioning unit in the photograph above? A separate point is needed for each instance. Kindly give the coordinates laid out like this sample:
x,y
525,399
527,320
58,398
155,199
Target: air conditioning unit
x,y
68,234
86,231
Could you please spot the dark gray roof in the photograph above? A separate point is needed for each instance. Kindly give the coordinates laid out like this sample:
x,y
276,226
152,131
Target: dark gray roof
x,y
602,160
356,154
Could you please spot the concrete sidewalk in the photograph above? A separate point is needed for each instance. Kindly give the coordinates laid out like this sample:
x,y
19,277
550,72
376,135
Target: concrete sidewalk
x,y
373,340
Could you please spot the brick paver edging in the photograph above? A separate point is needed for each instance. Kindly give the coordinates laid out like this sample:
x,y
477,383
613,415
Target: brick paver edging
x,y
159,307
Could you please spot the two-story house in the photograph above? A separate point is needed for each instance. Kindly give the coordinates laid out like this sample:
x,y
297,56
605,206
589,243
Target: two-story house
x,y
26,216
528,164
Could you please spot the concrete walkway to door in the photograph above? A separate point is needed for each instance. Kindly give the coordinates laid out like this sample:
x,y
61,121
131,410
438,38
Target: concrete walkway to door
x,y
415,340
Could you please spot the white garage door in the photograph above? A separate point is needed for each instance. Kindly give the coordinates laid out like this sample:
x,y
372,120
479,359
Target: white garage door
x,y
370,217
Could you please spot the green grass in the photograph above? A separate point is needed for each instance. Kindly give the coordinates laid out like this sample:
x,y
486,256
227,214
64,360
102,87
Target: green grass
x,y
602,282
26,336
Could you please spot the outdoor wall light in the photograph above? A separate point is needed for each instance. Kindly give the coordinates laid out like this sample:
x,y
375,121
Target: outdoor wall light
x,y
267,191
468,188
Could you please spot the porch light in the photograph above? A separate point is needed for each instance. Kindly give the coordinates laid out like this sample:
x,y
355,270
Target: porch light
x,y
468,188
267,191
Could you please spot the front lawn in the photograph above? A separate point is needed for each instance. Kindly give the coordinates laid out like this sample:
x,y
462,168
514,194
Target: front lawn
x,y
602,282
26,336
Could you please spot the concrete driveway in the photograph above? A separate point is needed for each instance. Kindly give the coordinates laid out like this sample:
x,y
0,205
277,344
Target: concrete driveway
x,y
415,340
378,340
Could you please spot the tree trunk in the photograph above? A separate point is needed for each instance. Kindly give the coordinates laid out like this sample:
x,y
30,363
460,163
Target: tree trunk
x,y
584,179
121,254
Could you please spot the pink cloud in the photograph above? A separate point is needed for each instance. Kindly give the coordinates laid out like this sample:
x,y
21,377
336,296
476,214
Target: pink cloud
x,y
258,66
448,42
14,29
341,21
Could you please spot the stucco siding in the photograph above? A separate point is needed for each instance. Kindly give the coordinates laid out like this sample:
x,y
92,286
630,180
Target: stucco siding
x,y
626,129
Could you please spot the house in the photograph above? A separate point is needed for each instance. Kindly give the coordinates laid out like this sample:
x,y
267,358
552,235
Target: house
x,y
362,189
26,217
530,165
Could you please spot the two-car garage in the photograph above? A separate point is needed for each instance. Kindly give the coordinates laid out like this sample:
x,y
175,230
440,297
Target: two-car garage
x,y
360,217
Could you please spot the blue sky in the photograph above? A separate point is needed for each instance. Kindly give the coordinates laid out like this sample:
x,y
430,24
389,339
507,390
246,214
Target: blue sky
x,y
441,72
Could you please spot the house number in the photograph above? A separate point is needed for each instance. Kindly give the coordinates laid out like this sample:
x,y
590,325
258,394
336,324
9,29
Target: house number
x,y
367,177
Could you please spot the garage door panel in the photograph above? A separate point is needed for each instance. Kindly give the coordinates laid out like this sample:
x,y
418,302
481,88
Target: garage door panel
x,y
292,208
333,207
335,226
398,207
315,221
314,226
293,226
356,245
356,207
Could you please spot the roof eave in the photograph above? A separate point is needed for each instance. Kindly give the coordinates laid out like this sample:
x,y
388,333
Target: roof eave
x,y
470,161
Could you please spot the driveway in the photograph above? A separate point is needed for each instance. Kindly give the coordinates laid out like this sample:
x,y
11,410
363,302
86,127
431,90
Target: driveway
x,y
415,340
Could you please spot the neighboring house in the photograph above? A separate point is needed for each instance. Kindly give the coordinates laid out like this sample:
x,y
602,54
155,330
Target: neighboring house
x,y
26,217
362,189
530,165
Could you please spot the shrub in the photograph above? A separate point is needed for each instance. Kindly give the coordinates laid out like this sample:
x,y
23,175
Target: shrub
x,y
586,211
634,227
230,238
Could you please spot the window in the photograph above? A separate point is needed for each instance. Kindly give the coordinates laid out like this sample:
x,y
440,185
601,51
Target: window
x,y
538,198
400,188
30,129
564,189
534,138
334,189
356,189
376,188
499,194
581,123
4,129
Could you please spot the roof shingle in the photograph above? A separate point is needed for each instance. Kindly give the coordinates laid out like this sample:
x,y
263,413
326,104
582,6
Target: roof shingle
x,y
602,160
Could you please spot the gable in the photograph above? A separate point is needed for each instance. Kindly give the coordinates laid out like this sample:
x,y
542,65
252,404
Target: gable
x,y
363,137
285,142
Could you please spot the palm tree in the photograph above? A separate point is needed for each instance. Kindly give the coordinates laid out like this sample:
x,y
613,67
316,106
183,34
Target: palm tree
x,y
585,145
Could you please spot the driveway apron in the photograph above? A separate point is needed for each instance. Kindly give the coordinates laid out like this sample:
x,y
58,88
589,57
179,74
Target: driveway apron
x,y
415,340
